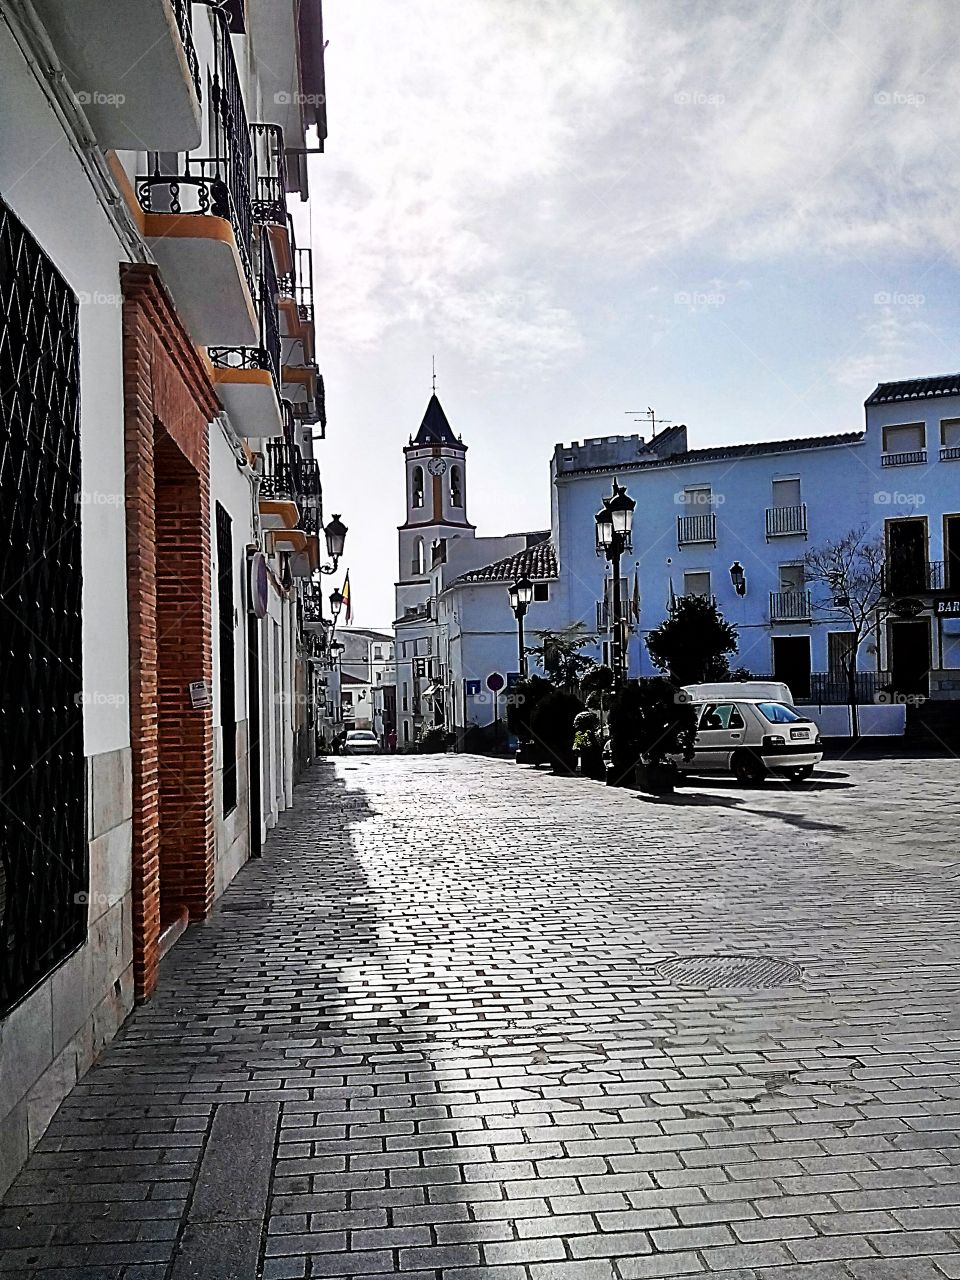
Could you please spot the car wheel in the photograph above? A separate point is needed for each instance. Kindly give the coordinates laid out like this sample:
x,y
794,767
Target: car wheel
x,y
747,769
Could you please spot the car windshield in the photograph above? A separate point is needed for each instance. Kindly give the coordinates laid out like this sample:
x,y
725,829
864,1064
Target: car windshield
x,y
362,734
779,712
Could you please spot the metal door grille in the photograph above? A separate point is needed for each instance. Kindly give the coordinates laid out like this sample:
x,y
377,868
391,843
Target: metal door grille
x,y
43,852
228,696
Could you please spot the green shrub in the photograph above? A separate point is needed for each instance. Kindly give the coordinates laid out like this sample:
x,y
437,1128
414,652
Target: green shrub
x,y
648,724
433,741
551,725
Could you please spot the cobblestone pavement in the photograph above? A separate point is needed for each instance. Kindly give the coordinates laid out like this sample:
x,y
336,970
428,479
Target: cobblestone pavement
x,y
426,1034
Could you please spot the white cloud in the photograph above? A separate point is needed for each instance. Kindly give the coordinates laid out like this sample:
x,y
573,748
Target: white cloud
x,y
484,153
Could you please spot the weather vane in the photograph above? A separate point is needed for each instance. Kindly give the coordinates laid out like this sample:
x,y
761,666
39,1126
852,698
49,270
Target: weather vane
x,y
433,362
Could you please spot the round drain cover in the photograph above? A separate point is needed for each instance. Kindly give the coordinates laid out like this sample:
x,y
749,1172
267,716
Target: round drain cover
x,y
729,971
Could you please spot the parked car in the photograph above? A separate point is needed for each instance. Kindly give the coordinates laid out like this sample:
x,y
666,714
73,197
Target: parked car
x,y
361,742
753,737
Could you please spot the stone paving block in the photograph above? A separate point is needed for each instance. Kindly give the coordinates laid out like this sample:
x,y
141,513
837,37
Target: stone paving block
x,y
471,1057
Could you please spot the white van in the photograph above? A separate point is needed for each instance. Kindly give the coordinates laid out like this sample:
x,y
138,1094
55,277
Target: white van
x,y
751,736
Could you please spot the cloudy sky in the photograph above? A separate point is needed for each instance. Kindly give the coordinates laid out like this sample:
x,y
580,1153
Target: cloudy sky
x,y
744,214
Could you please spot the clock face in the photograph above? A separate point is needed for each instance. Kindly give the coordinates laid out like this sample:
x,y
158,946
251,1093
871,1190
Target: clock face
x,y
436,466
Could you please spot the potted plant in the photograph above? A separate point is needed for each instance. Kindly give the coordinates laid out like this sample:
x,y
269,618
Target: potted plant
x,y
650,725
587,744
551,724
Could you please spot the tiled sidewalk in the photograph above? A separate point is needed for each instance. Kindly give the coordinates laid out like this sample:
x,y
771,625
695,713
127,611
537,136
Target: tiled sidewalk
x,y
424,1034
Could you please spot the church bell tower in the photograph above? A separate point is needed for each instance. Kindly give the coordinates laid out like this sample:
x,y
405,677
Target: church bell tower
x,y
436,499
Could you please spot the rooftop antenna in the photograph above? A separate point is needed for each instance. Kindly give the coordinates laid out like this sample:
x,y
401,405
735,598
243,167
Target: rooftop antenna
x,y
651,418
433,362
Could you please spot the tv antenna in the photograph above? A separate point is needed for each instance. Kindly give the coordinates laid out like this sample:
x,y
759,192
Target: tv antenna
x,y
650,417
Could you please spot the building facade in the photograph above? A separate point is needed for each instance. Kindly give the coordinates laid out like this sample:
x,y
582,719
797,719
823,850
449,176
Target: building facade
x,y
701,513
160,502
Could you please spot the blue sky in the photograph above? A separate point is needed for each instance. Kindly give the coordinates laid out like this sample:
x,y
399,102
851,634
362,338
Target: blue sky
x,y
743,214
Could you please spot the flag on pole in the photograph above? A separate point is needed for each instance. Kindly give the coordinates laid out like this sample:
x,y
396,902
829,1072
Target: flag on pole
x,y
635,602
671,598
347,601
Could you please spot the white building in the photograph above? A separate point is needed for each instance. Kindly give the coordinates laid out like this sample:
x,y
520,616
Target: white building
x,y
160,391
436,541
368,676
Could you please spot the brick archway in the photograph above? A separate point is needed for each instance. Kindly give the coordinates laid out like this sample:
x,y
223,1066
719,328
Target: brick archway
x,y
168,404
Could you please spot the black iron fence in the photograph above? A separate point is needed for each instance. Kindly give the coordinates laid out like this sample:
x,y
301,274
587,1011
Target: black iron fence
x,y
909,576
786,520
699,528
183,15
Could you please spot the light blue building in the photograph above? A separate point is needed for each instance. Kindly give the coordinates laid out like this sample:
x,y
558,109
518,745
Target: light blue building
x,y
756,507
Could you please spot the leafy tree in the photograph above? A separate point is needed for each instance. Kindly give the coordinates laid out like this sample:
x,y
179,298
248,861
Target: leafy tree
x,y
691,644
596,685
851,571
560,657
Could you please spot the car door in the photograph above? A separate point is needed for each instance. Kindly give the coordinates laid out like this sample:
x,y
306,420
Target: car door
x,y
720,730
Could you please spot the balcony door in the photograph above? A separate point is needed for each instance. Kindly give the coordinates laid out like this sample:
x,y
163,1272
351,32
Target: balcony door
x,y
791,663
907,555
909,649
951,552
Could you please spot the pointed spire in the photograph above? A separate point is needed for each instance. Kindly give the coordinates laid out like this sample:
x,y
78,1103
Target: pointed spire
x,y
434,429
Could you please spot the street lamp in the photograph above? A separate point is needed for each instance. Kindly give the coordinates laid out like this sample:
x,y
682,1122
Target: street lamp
x,y
336,603
336,535
520,595
614,526
738,578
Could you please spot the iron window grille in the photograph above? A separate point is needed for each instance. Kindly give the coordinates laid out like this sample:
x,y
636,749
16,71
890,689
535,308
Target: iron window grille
x,y
43,847
217,185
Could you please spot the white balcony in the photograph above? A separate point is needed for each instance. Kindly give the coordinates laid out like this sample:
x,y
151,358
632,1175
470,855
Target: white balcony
x,y
132,67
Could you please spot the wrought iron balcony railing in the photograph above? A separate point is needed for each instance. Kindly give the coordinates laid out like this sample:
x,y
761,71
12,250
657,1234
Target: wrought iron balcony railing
x,y
699,528
311,495
906,576
909,459
782,521
298,283
789,606
183,15
312,596
267,354
280,471
217,184
269,185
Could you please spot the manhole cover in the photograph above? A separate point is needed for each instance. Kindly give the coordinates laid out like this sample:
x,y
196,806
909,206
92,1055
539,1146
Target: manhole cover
x,y
729,971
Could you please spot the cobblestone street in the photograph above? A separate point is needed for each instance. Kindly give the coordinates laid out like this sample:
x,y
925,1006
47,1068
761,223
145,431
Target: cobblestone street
x,y
426,1033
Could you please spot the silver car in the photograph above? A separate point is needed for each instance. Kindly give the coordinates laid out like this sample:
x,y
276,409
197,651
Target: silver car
x,y
361,742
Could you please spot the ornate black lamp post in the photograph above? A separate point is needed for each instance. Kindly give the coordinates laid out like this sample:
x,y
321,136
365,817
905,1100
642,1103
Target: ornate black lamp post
x,y
521,594
738,578
614,526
